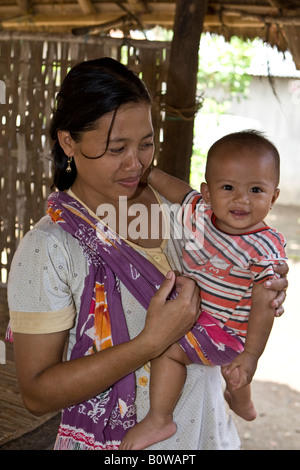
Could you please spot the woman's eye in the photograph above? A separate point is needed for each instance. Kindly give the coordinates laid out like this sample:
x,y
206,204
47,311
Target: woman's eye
x,y
147,145
116,151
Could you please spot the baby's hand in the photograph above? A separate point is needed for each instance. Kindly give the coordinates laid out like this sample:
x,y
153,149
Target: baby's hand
x,y
241,371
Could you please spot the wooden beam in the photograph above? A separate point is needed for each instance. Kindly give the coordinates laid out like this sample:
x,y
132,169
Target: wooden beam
x,y
86,6
275,3
233,21
79,14
5,35
253,8
283,20
61,7
58,20
23,5
168,9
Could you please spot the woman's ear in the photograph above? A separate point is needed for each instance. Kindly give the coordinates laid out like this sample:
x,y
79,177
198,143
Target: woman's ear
x,y
204,189
66,142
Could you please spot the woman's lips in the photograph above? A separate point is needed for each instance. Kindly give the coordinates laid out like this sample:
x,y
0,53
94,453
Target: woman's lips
x,y
130,182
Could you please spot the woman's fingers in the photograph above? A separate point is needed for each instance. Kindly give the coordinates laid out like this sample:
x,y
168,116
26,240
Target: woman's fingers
x,y
169,320
166,287
280,286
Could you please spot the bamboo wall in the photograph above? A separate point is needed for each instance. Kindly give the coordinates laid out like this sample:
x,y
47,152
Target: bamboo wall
x,y
32,69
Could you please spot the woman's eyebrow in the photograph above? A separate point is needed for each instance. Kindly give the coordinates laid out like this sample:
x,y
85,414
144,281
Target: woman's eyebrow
x,y
125,139
151,134
118,139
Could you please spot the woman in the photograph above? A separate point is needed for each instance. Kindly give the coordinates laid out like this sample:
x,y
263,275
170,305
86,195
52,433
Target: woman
x,y
75,285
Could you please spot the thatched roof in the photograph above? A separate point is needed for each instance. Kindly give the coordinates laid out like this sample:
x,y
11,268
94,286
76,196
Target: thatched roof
x,y
275,21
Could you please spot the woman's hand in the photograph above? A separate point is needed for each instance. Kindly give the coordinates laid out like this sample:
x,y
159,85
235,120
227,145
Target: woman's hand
x,y
47,383
169,320
280,286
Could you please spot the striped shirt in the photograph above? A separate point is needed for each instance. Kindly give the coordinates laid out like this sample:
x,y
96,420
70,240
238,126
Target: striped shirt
x,y
225,266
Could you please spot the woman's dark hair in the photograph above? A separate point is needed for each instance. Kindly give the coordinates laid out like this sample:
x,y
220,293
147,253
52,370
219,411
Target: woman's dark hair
x,y
89,91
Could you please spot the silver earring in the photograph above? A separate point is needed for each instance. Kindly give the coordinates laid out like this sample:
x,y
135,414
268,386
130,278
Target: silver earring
x,y
69,169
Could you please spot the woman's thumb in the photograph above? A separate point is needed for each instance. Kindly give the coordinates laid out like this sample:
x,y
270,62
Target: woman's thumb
x,y
166,286
170,275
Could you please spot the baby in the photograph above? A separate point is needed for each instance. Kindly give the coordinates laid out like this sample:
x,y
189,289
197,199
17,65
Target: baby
x,y
230,254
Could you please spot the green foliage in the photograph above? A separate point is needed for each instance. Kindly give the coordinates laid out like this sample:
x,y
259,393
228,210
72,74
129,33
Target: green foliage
x,y
224,64
197,168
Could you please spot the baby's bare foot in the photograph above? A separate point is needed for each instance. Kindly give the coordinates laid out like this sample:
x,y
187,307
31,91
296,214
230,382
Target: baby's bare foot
x,y
146,433
246,411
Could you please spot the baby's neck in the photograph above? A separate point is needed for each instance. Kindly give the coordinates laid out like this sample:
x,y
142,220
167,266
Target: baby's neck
x,y
236,230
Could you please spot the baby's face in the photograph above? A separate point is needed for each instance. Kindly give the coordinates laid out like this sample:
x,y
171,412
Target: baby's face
x,y
242,189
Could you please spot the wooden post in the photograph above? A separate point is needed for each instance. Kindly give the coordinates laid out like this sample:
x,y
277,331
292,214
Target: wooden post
x,y
181,88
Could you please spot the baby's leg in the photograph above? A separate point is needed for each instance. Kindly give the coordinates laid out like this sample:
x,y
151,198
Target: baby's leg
x,y
239,400
168,373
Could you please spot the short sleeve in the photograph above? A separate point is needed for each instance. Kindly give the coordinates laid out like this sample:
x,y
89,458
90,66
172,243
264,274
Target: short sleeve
x,y
39,294
262,270
273,244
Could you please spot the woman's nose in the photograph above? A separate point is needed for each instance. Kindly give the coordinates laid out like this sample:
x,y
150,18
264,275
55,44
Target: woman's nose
x,y
132,160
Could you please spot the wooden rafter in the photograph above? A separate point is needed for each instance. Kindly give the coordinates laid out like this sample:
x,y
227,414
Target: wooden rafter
x,y
86,6
229,19
23,5
91,12
243,18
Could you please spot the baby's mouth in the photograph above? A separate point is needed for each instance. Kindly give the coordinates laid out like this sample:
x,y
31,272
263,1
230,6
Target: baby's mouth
x,y
239,213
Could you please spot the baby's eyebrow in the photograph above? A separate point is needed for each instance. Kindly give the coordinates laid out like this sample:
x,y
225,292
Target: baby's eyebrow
x,y
225,181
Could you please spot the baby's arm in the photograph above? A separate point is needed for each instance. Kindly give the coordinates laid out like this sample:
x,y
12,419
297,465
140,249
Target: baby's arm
x,y
259,327
170,187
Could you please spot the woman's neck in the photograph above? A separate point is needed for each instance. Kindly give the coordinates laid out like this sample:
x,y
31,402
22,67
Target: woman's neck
x,y
137,219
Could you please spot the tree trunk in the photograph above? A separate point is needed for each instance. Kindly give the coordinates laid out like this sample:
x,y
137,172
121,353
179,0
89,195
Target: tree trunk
x,y
177,143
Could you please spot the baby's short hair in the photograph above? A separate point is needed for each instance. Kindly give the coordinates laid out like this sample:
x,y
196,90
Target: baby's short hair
x,y
251,139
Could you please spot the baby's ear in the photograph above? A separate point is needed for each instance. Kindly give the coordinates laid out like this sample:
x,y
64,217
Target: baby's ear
x,y
275,197
204,189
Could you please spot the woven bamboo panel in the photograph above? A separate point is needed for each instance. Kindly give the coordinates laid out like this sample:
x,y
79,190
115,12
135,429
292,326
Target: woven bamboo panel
x,y
32,69
15,420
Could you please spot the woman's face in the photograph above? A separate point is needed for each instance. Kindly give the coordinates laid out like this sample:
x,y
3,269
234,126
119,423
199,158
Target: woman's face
x,y
118,171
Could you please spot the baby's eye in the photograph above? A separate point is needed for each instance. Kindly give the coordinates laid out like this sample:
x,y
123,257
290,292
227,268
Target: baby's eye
x,y
227,187
256,189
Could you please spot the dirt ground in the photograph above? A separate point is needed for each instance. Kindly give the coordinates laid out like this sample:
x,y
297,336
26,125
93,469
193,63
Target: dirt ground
x,y
276,388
